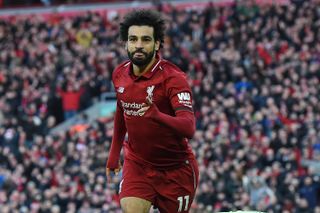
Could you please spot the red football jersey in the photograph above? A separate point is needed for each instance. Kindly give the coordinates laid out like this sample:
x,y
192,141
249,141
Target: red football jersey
x,y
149,142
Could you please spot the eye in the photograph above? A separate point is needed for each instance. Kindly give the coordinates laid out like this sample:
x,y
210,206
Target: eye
x,y
146,39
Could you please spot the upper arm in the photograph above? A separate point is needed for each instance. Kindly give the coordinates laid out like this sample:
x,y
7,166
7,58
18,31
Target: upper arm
x,y
179,92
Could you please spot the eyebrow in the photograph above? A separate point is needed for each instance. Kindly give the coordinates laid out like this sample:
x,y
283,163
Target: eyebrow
x,y
144,36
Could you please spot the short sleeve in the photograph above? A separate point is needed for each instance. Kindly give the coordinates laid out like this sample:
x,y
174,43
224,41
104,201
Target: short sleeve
x,y
179,92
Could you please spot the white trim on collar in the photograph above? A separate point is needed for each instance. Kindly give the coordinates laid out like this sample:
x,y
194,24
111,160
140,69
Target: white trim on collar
x,y
156,65
126,64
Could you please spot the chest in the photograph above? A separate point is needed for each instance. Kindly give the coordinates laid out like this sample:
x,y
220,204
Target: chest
x,y
133,93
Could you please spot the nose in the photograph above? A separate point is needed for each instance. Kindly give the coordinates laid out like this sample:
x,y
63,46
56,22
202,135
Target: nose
x,y
139,44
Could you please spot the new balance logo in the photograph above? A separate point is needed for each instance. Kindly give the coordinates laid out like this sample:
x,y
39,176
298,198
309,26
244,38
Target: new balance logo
x,y
120,89
184,96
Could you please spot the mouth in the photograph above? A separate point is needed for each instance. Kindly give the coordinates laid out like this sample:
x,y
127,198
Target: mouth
x,y
139,54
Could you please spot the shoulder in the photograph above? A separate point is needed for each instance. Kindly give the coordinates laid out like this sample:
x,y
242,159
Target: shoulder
x,y
120,69
172,71
175,80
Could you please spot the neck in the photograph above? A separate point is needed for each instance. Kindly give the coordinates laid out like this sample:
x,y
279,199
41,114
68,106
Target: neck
x,y
140,70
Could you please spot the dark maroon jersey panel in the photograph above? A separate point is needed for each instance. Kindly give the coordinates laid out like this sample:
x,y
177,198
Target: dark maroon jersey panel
x,y
148,141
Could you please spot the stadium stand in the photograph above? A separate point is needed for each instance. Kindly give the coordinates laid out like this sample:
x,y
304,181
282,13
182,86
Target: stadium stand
x,y
46,3
255,74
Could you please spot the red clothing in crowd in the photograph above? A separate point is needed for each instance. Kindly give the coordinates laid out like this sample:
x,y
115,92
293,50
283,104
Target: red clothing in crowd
x,y
70,100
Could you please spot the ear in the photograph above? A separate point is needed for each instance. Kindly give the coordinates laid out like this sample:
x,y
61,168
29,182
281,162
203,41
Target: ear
x,y
126,46
157,45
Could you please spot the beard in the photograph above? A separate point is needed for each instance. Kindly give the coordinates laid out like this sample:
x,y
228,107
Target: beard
x,y
141,61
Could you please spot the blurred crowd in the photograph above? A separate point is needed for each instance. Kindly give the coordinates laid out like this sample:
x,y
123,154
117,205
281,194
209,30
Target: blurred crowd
x,y
255,75
41,3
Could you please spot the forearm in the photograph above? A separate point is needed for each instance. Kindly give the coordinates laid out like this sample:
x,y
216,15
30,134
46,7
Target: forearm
x,y
183,123
119,133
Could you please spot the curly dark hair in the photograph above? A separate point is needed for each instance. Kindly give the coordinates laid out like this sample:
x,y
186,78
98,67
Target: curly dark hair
x,y
144,17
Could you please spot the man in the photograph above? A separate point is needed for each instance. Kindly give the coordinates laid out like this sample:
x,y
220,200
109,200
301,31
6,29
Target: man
x,y
154,108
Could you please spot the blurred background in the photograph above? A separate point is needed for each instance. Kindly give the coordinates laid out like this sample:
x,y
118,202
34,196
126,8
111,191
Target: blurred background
x,y
253,67
40,3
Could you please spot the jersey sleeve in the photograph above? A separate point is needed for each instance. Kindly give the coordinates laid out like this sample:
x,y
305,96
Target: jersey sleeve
x,y
119,132
179,92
